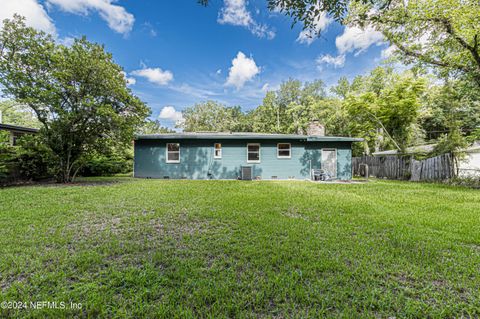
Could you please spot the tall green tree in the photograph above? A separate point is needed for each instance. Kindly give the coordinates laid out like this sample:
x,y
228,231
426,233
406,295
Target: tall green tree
x,y
153,127
389,112
18,114
342,89
451,102
440,34
212,116
268,117
78,93
290,108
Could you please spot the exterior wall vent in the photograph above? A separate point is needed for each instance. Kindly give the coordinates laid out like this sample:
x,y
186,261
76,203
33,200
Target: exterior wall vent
x,y
166,177
246,173
274,177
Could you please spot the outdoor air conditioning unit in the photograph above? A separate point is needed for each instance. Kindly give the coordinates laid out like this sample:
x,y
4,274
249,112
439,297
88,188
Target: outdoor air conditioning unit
x,y
246,173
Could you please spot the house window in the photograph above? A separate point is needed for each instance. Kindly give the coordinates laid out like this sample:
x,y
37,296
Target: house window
x,y
173,153
253,153
217,150
284,150
15,136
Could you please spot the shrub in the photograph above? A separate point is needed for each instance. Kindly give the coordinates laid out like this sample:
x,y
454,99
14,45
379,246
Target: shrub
x,y
107,165
34,159
7,158
466,181
29,160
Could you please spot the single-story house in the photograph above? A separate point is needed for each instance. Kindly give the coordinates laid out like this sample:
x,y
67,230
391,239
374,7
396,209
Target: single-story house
x,y
469,166
241,156
17,131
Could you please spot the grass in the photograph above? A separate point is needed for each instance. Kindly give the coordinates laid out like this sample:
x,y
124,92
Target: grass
x,y
153,248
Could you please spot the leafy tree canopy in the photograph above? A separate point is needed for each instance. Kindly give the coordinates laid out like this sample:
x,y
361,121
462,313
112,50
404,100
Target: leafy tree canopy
x,y
441,34
290,108
153,127
78,93
212,116
383,107
18,114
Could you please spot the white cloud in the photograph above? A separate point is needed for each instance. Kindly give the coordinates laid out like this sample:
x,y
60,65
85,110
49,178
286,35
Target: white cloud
x,y
117,17
235,12
169,113
154,75
386,53
308,36
196,91
337,62
354,39
66,41
150,29
218,72
130,81
35,14
243,69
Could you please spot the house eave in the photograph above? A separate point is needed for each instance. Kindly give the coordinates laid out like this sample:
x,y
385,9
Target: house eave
x,y
245,136
15,128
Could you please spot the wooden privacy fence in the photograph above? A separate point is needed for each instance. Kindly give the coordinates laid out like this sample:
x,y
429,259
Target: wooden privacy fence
x,y
405,167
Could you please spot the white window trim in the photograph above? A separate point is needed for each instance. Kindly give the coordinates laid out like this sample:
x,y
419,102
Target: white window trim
x,y
290,151
259,153
336,160
214,151
166,154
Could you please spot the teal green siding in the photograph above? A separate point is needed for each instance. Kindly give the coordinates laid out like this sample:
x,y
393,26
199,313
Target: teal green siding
x,y
197,161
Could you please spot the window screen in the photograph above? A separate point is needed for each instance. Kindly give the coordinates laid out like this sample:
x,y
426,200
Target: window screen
x,y
173,153
284,150
253,153
218,150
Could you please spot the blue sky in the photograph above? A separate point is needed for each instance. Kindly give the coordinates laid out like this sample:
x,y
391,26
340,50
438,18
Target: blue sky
x,y
177,53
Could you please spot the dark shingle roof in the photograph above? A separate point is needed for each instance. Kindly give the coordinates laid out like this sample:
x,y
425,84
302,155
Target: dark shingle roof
x,y
244,136
9,127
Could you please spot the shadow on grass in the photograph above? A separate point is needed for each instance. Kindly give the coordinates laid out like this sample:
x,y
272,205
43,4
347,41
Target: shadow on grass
x,y
81,181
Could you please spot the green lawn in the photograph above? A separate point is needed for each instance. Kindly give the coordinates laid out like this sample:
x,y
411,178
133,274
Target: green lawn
x,y
155,248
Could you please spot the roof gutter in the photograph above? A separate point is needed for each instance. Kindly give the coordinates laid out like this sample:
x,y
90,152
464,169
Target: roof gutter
x,y
240,136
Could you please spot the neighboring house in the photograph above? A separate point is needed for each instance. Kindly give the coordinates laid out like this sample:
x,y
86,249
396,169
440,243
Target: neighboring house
x,y
468,166
241,156
413,150
17,131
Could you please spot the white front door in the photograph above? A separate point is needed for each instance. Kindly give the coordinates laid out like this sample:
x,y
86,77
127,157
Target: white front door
x,y
329,161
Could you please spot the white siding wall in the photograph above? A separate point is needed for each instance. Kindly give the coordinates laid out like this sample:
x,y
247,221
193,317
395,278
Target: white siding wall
x,y
470,166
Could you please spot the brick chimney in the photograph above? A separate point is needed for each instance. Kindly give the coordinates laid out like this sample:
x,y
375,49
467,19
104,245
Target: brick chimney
x,y
315,128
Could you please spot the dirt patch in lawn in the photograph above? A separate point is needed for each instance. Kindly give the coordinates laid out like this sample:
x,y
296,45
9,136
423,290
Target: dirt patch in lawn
x,y
79,183
137,226
293,212
92,225
178,226
52,183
